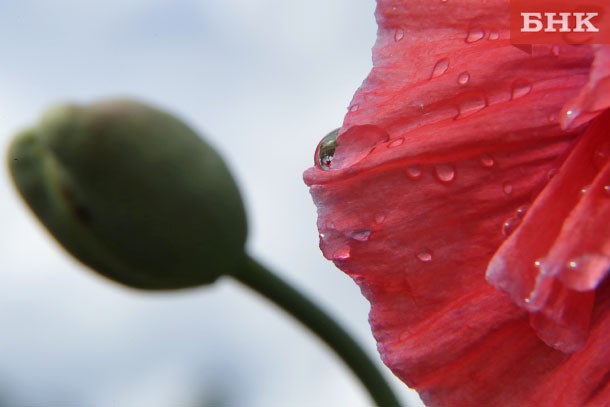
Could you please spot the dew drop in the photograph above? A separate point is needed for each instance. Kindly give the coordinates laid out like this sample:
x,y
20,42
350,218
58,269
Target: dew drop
x,y
606,189
584,190
354,107
440,68
474,35
343,253
414,171
445,172
494,35
510,225
586,272
520,88
555,50
336,152
399,34
463,78
487,161
508,188
444,1
326,150
569,117
521,211
424,255
361,235
379,218
470,104
396,143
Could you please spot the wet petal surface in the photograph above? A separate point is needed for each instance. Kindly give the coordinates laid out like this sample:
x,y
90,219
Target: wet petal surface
x,y
475,167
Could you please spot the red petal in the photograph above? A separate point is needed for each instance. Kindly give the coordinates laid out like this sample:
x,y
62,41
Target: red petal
x,y
563,237
595,96
430,174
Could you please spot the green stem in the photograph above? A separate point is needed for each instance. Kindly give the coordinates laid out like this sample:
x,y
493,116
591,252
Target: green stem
x,y
293,302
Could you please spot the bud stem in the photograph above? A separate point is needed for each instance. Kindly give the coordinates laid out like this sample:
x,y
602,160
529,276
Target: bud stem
x,y
270,286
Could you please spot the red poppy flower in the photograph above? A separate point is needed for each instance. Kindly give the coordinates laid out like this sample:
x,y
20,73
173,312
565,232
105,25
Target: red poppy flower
x,y
468,195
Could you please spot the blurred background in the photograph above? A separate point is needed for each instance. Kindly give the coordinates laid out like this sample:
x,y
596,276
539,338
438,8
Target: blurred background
x,y
263,80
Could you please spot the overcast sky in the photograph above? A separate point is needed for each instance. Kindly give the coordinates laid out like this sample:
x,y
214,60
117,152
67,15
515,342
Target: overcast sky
x,y
264,80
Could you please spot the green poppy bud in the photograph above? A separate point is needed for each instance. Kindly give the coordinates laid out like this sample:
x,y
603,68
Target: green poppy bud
x,y
133,193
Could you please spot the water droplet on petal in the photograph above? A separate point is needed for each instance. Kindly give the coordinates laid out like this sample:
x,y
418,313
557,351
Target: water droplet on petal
x,y
555,50
399,34
396,143
354,107
343,253
361,235
379,218
424,255
440,68
606,189
470,104
586,272
510,226
521,211
520,88
326,150
337,152
463,78
487,161
444,1
508,188
494,35
445,172
569,116
474,34
584,189
413,171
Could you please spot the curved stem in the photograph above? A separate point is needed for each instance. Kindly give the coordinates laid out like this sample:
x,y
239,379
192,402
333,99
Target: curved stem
x,y
293,302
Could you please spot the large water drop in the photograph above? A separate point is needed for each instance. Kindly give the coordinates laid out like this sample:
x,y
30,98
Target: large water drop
x,y
340,151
